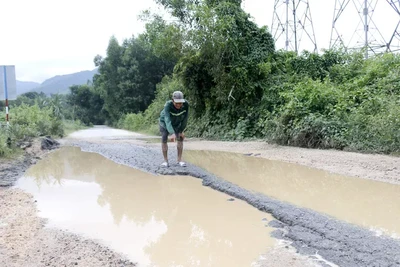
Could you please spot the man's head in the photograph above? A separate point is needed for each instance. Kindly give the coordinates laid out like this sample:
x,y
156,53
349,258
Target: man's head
x,y
177,98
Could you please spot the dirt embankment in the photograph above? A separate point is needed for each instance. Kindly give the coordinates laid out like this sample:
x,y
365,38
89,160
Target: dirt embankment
x,y
12,169
24,239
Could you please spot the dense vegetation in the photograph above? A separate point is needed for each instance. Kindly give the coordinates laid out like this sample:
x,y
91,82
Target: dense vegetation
x,y
33,115
240,86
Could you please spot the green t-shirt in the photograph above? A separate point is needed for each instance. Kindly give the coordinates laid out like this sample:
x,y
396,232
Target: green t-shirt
x,y
173,119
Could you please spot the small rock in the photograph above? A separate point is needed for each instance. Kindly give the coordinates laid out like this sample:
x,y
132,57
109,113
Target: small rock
x,y
276,224
49,143
231,199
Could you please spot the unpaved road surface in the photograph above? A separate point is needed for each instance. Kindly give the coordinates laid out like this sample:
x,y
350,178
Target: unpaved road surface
x,y
311,234
24,239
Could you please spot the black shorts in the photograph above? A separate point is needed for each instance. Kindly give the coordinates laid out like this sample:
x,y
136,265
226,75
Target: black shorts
x,y
164,135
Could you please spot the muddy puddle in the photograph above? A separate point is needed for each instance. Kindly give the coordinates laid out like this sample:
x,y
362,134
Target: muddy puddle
x,y
371,204
154,220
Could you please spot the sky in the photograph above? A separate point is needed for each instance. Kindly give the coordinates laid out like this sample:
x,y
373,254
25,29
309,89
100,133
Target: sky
x,y
44,38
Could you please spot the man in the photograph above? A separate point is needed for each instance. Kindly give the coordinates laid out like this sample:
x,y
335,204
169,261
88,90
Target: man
x,y
173,121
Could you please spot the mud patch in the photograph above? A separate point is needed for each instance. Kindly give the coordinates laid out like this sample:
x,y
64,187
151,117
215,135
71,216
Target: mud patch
x,y
12,169
310,232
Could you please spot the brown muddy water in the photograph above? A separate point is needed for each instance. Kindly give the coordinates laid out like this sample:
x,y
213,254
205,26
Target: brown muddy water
x,y
371,204
154,220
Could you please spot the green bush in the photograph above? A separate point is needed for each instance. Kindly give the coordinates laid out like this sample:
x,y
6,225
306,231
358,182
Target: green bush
x,y
359,113
132,122
341,101
375,131
28,121
5,149
164,93
148,121
32,121
72,126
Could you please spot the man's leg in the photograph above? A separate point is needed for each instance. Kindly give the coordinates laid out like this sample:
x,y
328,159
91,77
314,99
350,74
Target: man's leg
x,y
164,144
164,147
180,149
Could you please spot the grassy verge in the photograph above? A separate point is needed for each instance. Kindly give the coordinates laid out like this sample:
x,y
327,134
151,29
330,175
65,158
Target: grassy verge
x,y
9,138
6,151
72,126
150,130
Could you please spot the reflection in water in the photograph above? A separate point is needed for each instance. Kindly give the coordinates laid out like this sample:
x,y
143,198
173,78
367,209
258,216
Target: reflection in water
x,y
363,202
160,220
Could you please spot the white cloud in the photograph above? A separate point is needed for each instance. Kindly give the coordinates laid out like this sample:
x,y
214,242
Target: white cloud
x,y
44,38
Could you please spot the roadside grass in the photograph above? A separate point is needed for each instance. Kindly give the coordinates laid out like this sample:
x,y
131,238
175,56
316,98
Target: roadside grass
x,y
6,151
72,126
9,137
152,130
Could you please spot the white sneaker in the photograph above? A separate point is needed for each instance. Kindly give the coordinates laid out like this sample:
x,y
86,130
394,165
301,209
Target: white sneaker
x,y
165,164
182,164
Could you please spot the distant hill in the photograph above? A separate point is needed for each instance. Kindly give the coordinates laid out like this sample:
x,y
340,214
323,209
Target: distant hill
x,y
60,84
23,87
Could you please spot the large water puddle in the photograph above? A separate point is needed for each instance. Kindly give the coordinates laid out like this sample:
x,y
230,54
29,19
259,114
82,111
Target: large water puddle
x,y
155,220
371,204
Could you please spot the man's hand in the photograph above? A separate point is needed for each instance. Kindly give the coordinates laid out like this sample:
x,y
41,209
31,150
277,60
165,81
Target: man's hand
x,y
182,135
172,137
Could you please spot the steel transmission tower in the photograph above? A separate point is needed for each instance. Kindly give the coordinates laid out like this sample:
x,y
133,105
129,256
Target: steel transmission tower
x,y
367,35
394,41
292,22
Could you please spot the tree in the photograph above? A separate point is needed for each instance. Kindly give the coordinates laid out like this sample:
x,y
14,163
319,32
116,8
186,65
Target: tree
x,y
86,104
222,68
106,82
128,75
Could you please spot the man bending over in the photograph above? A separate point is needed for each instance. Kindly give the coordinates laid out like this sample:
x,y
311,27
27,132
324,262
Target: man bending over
x,y
173,121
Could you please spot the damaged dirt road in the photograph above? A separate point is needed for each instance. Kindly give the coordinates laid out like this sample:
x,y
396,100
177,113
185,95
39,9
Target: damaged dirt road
x,y
24,239
304,237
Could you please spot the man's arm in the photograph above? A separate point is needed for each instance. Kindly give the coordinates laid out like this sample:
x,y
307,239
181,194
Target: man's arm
x,y
185,120
167,117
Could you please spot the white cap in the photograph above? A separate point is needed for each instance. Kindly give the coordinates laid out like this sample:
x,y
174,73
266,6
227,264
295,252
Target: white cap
x,y
177,96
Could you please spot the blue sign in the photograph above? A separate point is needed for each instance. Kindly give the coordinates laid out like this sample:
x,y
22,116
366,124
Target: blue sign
x,y
8,83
